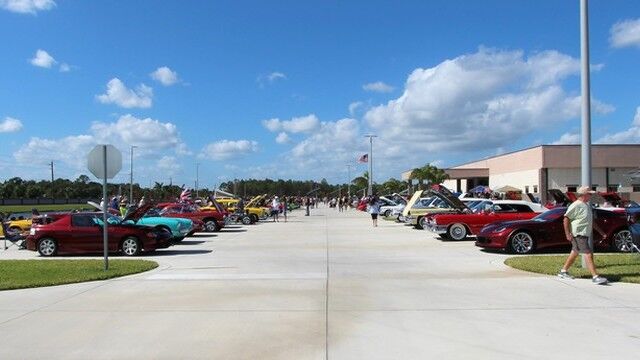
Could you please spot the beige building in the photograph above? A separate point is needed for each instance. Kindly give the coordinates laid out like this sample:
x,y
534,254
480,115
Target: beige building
x,y
543,167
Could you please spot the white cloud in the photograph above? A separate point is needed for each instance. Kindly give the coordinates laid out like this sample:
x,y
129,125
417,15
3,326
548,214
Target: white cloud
x,y
42,59
72,150
282,138
628,136
354,106
478,102
64,67
165,76
270,78
117,93
303,124
168,165
378,86
625,33
27,6
229,149
146,133
568,139
10,124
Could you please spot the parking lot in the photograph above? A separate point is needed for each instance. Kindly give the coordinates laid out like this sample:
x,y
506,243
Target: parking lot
x,y
324,286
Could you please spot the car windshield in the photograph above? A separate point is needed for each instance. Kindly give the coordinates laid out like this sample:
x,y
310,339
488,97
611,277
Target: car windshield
x,y
111,220
152,213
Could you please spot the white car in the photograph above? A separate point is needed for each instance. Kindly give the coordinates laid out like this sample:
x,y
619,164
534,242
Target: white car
x,y
390,207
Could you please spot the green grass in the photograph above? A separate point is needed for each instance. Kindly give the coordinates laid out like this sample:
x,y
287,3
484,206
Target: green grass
x,y
20,274
615,267
42,208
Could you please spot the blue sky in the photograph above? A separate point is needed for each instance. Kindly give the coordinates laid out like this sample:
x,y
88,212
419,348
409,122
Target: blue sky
x,y
287,89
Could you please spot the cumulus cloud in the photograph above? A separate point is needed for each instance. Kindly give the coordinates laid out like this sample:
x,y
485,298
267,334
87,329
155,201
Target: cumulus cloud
x,y
354,106
118,94
9,125
154,138
479,101
27,6
229,149
567,139
628,136
64,67
303,124
270,78
42,59
378,86
165,76
625,33
282,138
168,165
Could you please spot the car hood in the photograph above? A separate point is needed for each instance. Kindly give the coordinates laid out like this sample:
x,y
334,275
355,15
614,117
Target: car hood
x,y
446,195
136,214
412,201
559,197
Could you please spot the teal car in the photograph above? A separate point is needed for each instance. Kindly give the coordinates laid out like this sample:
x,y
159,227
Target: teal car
x,y
148,216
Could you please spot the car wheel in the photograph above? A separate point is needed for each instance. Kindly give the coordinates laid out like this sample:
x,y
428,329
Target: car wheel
x,y
130,246
521,243
622,241
419,223
457,232
424,222
387,213
246,220
47,247
211,226
255,218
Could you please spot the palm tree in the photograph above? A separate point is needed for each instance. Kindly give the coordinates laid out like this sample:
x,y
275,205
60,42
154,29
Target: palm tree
x,y
361,181
419,174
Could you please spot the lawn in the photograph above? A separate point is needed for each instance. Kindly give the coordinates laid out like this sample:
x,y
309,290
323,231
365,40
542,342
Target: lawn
x,y
7,209
615,267
20,274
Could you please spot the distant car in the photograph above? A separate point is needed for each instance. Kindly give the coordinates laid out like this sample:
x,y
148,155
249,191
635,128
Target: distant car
x,y
213,220
459,226
81,233
390,207
546,230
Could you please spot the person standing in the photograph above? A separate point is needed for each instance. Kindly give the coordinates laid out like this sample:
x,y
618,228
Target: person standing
x,y
578,229
285,207
307,203
275,209
374,209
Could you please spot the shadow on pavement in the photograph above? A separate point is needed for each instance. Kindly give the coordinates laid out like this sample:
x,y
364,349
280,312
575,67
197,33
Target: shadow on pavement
x,y
190,242
179,252
233,230
202,235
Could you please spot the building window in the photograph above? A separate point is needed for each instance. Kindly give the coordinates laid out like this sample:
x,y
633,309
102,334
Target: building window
x,y
594,187
526,189
572,188
636,187
612,188
535,189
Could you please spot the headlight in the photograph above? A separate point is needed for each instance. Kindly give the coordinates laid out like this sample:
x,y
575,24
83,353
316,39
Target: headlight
x,y
499,229
32,231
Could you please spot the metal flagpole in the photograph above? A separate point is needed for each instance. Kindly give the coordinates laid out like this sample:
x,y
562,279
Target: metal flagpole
x,y
349,182
131,177
370,187
586,101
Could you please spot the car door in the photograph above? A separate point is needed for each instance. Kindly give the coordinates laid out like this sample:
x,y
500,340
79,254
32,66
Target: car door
x,y
85,233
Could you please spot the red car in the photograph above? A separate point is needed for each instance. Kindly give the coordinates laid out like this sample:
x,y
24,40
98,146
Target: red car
x,y
458,226
546,230
81,233
213,220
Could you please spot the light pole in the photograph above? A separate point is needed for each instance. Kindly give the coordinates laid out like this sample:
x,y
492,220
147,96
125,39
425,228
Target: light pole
x,y
585,145
370,187
131,176
197,179
349,182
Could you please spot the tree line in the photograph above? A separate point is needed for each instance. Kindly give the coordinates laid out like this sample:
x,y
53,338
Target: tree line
x,y
84,188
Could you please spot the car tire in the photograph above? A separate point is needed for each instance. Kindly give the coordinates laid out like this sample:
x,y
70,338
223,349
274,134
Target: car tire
x,y
521,242
423,222
246,220
387,213
622,241
419,223
47,247
457,232
130,246
255,218
211,226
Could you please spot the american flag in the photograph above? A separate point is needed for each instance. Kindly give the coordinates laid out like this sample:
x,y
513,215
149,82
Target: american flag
x,y
364,158
185,195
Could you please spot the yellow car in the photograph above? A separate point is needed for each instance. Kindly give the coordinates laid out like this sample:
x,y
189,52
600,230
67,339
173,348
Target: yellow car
x,y
424,203
252,207
22,225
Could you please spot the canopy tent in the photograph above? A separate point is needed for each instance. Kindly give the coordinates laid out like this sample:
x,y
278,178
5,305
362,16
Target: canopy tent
x,y
508,188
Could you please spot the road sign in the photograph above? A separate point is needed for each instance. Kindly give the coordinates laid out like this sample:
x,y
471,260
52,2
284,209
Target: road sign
x,y
96,161
105,161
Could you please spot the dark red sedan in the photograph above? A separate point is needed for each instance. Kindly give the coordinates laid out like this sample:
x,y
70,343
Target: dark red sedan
x,y
546,230
81,233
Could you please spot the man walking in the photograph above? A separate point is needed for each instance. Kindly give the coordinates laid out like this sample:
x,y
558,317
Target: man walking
x,y
578,228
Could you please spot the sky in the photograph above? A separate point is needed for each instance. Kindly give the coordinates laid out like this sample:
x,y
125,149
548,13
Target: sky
x,y
288,89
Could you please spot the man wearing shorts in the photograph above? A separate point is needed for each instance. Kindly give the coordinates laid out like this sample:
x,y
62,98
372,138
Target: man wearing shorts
x,y
578,228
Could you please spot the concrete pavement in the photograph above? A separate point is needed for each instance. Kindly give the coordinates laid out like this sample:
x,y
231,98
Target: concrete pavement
x,y
318,287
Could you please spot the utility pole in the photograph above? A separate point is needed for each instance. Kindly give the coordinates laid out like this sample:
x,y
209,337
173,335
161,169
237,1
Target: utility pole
x,y
52,179
349,182
586,101
370,187
131,177
197,178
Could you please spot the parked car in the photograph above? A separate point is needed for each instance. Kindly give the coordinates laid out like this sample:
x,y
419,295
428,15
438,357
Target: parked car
x,y
213,220
81,233
546,230
459,226
390,207
425,203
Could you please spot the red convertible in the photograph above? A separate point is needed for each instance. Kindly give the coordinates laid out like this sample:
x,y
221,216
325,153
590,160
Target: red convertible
x,y
213,220
546,230
80,233
458,226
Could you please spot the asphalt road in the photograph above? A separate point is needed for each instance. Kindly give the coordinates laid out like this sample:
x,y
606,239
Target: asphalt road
x,y
318,287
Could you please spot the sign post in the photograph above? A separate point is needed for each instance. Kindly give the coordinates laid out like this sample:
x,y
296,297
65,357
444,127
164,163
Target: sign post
x,y
104,162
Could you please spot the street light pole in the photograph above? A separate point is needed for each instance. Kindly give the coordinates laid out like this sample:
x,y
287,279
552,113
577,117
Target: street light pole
x,y
585,146
197,179
349,182
370,187
131,176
